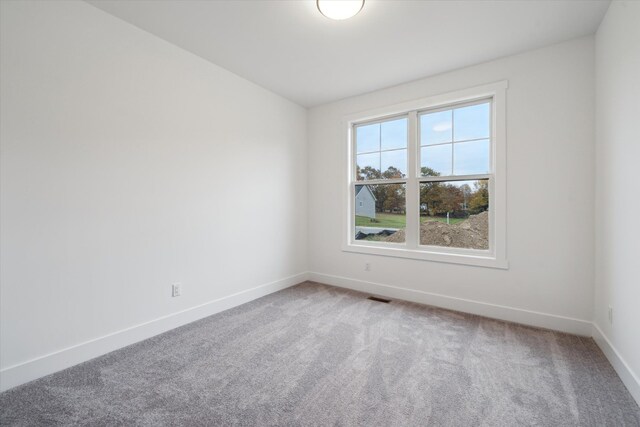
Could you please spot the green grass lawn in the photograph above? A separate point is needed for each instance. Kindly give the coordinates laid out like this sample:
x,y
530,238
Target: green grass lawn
x,y
440,219
383,220
389,220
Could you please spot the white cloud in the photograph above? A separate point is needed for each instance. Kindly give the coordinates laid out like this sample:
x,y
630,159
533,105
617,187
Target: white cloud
x,y
442,126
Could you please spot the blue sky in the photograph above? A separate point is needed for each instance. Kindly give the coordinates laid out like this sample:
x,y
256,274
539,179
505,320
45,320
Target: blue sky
x,y
453,142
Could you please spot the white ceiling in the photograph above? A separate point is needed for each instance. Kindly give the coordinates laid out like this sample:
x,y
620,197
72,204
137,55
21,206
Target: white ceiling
x,y
289,48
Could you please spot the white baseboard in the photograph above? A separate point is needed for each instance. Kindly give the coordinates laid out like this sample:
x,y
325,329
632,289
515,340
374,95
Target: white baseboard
x,y
526,317
626,374
21,373
517,315
15,375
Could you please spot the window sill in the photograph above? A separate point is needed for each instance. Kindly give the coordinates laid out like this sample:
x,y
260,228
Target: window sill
x,y
466,257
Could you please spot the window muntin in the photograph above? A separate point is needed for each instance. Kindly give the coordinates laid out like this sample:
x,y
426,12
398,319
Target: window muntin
x,y
381,149
455,213
471,122
450,143
464,160
456,140
471,157
436,127
436,159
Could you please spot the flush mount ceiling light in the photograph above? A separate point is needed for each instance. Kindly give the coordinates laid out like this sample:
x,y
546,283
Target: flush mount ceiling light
x,y
339,9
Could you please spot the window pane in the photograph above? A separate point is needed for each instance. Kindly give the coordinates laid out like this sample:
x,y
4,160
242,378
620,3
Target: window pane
x,y
368,166
394,134
437,160
471,157
435,128
394,164
455,214
368,138
471,122
380,212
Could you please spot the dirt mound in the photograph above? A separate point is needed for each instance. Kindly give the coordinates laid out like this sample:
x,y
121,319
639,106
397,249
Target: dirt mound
x,y
471,233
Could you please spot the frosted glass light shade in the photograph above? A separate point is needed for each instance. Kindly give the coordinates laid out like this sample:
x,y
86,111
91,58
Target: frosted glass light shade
x,y
339,9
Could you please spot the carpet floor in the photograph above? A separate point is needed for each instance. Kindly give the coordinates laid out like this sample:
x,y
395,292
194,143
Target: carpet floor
x,y
318,355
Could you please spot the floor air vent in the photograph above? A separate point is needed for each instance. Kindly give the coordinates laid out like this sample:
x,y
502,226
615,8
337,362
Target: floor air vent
x,y
386,301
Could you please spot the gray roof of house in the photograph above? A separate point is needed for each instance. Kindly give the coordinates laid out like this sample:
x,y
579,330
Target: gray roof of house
x,y
360,187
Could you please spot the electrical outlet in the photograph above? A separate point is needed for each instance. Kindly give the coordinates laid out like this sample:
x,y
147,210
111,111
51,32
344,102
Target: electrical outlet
x,y
176,289
610,314
367,266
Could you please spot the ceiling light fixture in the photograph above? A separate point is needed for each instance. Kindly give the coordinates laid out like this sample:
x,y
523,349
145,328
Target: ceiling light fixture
x,y
339,9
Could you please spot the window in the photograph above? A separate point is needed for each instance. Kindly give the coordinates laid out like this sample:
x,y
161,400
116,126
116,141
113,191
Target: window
x,y
426,179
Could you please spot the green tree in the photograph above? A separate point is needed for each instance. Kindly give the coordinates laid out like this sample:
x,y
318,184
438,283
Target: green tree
x,y
466,195
392,173
438,198
430,197
367,173
479,200
428,171
394,198
430,193
393,195
389,197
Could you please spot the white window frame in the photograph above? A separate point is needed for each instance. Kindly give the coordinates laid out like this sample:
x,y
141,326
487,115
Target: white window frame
x,y
496,255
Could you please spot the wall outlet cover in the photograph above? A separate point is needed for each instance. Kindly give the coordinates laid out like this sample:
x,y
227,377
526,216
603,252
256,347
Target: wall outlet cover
x,y
176,289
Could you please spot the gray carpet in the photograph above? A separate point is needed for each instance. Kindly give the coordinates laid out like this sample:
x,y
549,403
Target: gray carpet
x,y
318,355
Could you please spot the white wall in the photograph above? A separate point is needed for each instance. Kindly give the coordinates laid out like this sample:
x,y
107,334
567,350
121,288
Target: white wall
x,y
617,201
550,161
129,164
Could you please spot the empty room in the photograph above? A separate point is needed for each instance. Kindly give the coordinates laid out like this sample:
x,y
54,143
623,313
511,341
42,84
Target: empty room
x,y
319,212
